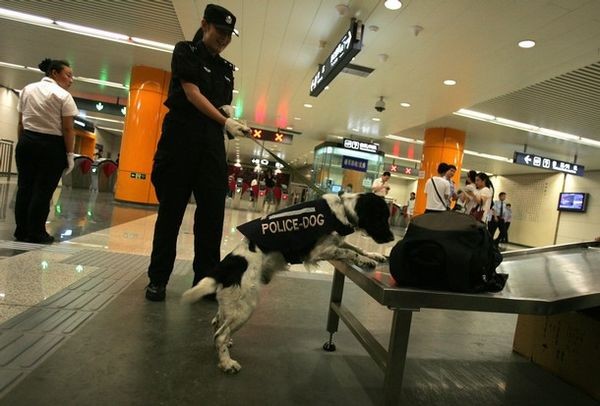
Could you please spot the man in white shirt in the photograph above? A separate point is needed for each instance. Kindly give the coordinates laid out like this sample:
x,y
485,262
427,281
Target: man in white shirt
x,y
438,191
380,185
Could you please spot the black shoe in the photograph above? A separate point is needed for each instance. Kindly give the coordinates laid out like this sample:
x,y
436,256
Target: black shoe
x,y
43,239
156,292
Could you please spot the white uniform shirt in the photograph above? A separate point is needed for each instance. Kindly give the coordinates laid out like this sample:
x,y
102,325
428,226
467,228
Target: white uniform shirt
x,y
377,183
43,104
410,206
443,187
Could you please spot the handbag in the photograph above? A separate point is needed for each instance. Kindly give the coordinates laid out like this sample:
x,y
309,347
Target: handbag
x,y
477,213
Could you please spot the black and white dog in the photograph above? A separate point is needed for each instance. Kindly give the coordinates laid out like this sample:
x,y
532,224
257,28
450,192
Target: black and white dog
x,y
304,233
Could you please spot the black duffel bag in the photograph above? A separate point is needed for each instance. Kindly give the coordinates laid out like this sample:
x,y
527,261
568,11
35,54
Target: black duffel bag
x,y
447,251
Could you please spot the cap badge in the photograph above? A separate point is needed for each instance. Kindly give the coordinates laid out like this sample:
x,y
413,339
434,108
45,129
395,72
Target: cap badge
x,y
228,20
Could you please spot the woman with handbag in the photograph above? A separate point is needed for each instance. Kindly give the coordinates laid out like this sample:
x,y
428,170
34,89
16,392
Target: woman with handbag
x,y
481,196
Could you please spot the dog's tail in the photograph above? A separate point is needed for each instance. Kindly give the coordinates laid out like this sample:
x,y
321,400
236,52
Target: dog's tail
x,y
205,287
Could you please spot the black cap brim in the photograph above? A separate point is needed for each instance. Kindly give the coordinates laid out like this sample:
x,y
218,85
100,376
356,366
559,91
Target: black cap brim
x,y
227,29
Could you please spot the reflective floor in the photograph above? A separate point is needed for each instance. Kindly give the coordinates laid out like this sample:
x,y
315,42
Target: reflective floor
x,y
75,328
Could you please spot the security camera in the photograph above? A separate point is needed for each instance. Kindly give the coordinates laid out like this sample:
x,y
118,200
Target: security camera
x,y
380,105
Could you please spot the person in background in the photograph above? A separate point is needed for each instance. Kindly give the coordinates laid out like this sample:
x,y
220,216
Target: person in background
x,y
437,189
448,175
190,156
46,138
465,198
497,220
348,188
507,220
483,195
410,207
380,185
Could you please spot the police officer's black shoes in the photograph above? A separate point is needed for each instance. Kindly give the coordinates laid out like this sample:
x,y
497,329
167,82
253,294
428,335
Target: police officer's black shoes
x,y
156,292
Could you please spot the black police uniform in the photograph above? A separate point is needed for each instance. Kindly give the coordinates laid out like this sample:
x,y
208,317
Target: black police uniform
x,y
190,158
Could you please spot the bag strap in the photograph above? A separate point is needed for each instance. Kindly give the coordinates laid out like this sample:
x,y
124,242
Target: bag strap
x,y
438,194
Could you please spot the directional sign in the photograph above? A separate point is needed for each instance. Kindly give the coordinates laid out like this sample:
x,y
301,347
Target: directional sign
x,y
537,161
348,46
405,170
273,136
360,146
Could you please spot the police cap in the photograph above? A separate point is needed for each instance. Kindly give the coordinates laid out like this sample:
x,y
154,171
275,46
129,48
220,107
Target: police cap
x,y
220,17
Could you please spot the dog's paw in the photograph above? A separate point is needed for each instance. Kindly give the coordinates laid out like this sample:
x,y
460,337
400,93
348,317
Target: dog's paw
x,y
230,366
366,262
377,257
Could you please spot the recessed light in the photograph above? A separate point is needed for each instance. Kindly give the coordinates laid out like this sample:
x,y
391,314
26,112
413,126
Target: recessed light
x,y
308,106
404,104
392,4
235,91
289,127
297,118
376,119
355,129
449,82
527,43
326,87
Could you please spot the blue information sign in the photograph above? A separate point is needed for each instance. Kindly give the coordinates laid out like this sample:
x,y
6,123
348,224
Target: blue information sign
x,y
537,161
356,164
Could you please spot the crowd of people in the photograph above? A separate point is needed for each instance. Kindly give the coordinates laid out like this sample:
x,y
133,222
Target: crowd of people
x,y
475,198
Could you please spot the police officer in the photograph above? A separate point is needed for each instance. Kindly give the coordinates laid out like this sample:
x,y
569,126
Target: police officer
x,y
190,157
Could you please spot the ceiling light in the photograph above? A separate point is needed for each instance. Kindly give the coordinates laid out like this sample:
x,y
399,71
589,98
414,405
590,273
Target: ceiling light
x,y
235,91
376,119
26,18
83,30
527,43
449,82
308,106
399,157
404,139
527,127
153,44
92,32
297,118
488,156
100,82
392,4
404,104
355,129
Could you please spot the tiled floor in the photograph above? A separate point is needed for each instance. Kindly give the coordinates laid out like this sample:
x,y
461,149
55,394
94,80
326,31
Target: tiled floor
x,y
92,282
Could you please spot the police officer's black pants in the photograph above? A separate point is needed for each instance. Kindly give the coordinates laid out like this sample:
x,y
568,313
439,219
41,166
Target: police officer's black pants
x,y
41,159
208,227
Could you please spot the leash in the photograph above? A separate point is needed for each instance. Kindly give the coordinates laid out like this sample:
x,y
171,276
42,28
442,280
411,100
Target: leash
x,y
291,169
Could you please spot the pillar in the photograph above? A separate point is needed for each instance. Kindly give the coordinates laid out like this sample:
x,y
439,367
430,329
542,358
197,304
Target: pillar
x,y
145,112
441,145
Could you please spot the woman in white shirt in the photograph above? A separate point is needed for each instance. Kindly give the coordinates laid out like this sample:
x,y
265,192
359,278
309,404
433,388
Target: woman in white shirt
x,y
44,149
482,195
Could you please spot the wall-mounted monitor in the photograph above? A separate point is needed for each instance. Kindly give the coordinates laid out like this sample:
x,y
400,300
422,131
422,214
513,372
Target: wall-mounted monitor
x,y
573,201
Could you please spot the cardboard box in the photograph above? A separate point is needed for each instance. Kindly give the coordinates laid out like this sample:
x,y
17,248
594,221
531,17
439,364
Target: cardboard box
x,y
566,344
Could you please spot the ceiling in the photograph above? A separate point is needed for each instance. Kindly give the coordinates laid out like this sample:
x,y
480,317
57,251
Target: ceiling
x,y
555,85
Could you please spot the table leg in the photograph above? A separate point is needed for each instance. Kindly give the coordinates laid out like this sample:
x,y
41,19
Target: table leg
x,y
396,360
333,320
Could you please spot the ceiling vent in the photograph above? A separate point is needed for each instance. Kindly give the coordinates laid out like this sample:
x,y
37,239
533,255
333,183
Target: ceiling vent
x,y
357,70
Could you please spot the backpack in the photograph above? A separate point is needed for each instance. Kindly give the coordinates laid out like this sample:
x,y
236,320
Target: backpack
x,y
447,251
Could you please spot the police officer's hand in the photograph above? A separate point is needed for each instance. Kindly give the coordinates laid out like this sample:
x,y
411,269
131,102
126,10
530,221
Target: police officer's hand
x,y
236,128
70,163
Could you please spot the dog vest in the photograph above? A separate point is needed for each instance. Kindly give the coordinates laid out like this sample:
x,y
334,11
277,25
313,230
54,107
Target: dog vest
x,y
294,231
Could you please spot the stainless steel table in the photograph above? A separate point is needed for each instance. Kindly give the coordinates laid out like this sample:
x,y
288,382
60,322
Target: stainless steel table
x,y
541,281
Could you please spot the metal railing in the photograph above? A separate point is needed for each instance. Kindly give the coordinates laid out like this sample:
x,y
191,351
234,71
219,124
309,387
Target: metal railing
x,y
6,156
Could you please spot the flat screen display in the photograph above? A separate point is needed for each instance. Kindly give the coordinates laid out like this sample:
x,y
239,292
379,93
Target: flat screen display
x,y
336,188
570,201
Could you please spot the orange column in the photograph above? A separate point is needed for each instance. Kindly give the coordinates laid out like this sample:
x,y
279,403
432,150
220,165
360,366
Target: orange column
x,y
145,112
441,145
